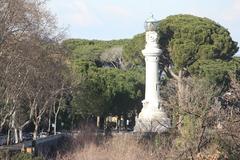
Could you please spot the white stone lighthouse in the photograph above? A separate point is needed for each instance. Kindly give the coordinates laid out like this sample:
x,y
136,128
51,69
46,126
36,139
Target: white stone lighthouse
x,y
152,117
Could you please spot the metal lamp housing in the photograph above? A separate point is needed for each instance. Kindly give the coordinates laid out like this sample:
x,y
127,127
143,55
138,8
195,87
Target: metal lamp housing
x,y
151,25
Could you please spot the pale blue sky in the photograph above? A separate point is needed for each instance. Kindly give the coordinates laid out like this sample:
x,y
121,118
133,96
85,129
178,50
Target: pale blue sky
x,y
115,19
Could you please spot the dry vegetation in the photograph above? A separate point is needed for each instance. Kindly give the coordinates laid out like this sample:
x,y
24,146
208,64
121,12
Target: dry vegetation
x,y
201,130
125,147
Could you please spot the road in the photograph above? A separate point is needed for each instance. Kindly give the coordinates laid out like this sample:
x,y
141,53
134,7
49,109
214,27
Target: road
x,y
29,143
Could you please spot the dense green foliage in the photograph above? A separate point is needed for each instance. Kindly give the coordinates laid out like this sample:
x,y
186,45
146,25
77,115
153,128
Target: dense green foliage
x,y
189,38
114,91
100,87
90,49
216,71
132,52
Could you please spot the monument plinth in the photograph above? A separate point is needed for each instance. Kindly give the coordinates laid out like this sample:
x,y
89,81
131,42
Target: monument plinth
x,y
152,117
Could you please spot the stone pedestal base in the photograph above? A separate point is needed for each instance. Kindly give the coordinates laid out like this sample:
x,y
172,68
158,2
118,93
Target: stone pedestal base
x,y
152,119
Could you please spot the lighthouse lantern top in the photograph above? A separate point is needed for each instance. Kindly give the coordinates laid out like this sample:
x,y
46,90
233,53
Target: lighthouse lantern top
x,y
151,24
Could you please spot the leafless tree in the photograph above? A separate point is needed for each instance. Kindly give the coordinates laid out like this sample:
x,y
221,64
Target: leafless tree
x,y
31,63
209,130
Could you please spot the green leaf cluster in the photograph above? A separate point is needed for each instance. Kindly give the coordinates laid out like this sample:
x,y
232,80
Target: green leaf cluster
x,y
188,38
132,52
110,91
217,71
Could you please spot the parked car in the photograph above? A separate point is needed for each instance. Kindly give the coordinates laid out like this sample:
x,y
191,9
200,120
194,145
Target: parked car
x,y
27,136
3,140
58,132
43,134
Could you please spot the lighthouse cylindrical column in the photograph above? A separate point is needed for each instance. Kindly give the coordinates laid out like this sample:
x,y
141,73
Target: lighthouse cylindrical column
x,y
152,117
152,79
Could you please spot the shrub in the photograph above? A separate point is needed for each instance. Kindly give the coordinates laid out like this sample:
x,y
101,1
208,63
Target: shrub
x,y
125,147
25,156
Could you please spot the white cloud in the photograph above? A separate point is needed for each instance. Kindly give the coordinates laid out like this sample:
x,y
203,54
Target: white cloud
x,y
82,14
76,12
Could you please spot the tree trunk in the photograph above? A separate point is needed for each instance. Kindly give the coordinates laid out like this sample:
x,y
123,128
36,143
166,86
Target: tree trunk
x,y
9,136
16,135
102,121
125,121
14,127
20,134
181,97
49,120
35,131
118,123
55,124
49,124
98,121
180,93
